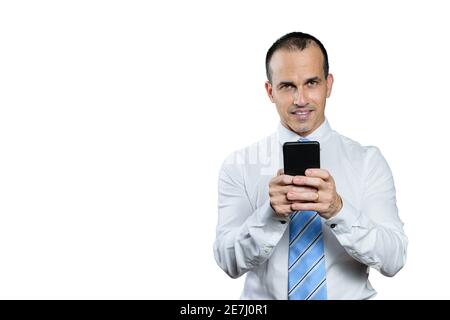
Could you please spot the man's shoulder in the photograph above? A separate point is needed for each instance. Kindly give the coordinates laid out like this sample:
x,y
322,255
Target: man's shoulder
x,y
355,149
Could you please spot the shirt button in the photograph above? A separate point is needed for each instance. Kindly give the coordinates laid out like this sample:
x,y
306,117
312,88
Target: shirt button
x,y
332,226
282,221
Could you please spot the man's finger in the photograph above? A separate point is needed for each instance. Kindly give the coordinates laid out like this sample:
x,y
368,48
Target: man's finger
x,y
306,196
308,181
318,173
301,189
285,179
280,172
306,206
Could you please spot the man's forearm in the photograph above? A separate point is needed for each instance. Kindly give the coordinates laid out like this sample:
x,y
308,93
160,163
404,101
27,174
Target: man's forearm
x,y
376,245
240,248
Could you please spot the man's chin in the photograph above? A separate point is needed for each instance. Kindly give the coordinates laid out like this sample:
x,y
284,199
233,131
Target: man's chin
x,y
301,130
304,128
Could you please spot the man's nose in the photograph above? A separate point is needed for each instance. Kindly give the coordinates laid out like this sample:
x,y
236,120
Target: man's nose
x,y
300,98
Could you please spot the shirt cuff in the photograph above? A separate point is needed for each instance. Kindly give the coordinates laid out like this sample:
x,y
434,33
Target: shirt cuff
x,y
344,220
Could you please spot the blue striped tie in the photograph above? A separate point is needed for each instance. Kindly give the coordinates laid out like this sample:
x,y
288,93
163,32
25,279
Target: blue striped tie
x,y
307,272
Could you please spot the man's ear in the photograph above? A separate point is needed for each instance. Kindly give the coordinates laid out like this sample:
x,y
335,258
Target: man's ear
x,y
268,86
330,81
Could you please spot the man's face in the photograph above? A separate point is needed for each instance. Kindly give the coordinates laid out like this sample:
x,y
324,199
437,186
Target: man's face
x,y
299,88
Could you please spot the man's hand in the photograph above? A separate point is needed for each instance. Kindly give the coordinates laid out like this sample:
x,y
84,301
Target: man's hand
x,y
279,187
324,199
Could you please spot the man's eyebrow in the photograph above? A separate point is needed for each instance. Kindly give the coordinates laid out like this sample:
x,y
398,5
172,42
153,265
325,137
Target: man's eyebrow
x,y
290,83
313,79
284,83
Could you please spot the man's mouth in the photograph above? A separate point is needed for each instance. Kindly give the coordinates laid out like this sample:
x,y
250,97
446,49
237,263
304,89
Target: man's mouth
x,y
302,114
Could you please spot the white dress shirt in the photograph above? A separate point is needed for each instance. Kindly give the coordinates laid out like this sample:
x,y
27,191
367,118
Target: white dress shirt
x,y
367,232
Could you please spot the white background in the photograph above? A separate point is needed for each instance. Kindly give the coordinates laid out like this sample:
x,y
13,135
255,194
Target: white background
x,y
115,117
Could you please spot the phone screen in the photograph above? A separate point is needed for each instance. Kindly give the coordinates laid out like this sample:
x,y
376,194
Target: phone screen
x,y
299,156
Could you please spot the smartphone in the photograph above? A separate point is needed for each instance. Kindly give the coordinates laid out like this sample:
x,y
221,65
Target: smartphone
x,y
299,156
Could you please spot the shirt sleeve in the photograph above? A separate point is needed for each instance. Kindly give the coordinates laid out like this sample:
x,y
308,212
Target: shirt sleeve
x,y
245,236
373,234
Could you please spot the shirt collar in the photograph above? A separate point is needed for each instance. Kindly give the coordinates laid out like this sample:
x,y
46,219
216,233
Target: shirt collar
x,y
320,134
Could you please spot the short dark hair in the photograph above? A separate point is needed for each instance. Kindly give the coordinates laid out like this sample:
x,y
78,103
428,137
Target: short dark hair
x,y
295,41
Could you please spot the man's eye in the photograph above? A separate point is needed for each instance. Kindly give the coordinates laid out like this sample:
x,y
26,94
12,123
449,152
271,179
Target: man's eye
x,y
286,86
313,83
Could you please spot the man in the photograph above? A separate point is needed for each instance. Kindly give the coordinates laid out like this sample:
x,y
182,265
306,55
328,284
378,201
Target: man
x,y
351,199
